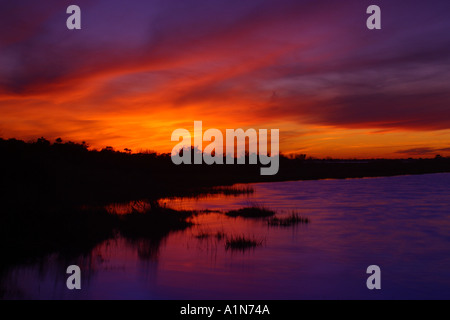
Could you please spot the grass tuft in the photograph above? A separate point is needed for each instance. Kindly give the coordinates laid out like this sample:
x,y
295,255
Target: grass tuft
x,y
251,212
242,243
288,221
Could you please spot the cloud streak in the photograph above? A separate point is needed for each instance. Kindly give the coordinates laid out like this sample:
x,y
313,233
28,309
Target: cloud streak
x,y
304,64
425,151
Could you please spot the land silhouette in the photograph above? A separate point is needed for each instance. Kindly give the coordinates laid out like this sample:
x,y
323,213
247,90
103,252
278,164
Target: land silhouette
x,y
53,194
67,172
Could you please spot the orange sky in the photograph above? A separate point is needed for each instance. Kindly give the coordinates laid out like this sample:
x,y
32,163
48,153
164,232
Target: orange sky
x,y
332,87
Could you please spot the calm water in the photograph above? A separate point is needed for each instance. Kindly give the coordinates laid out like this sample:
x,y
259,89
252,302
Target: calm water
x,y
401,224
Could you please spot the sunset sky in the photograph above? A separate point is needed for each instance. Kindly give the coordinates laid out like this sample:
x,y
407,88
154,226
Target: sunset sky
x,y
140,69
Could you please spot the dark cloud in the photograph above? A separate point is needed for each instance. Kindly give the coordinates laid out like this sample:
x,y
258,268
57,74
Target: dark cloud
x,y
424,151
324,65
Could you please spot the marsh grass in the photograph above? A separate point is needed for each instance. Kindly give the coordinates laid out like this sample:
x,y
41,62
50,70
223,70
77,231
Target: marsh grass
x,y
203,235
219,235
251,212
232,190
27,234
242,243
205,192
206,211
154,223
292,219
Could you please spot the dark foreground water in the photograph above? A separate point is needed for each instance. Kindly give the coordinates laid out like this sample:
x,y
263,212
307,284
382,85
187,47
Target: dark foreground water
x,y
401,224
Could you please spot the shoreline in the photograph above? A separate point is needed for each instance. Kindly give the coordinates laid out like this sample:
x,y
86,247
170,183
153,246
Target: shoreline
x,y
45,187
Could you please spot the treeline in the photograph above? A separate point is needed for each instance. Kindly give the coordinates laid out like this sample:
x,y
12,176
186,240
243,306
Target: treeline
x,y
70,173
52,194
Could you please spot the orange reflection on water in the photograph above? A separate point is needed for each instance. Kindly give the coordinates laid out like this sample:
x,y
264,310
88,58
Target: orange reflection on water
x,y
399,223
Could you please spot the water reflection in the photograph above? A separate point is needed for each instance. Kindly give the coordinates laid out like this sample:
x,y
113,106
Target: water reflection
x,y
401,224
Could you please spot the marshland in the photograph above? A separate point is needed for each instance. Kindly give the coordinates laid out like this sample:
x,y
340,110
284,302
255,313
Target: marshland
x,y
136,224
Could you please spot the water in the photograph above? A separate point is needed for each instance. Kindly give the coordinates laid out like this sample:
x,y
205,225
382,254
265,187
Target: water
x,y
401,224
